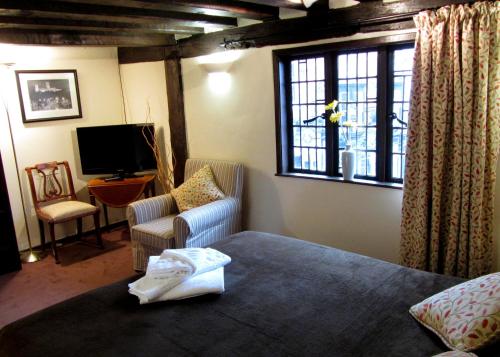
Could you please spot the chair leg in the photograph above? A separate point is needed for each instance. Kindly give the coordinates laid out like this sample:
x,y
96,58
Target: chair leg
x,y
42,234
53,242
79,228
98,230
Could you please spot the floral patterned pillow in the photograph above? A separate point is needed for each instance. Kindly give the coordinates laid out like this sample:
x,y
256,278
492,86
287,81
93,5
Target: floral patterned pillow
x,y
198,190
466,316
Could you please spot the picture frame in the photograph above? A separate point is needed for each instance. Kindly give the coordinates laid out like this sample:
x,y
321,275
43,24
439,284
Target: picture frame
x,y
48,95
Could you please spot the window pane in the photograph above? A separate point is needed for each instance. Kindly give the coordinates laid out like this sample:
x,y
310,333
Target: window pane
x,y
320,91
311,92
362,90
302,71
295,71
312,158
372,88
321,160
372,60
308,136
311,69
352,93
371,139
305,159
320,68
296,114
359,138
403,59
342,91
296,136
396,166
321,137
398,89
297,158
360,103
303,93
401,80
342,66
371,164
372,114
362,64
361,163
351,65
295,93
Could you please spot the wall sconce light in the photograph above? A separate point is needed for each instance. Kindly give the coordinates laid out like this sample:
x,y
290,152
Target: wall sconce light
x,y
218,65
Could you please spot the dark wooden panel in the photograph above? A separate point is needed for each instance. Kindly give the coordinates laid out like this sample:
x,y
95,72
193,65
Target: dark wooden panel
x,y
176,117
140,54
90,25
9,254
208,7
30,8
68,38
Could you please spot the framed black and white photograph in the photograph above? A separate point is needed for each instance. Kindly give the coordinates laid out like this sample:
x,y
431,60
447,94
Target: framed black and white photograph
x,y
48,95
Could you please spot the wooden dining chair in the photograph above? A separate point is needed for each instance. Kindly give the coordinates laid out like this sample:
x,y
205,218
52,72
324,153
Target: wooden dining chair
x,y
55,200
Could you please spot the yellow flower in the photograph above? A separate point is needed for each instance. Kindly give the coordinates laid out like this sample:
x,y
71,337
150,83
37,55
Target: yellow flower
x,y
335,116
331,105
349,124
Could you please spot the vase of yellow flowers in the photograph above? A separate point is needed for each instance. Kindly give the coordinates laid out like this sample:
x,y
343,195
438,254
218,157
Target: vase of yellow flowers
x,y
348,156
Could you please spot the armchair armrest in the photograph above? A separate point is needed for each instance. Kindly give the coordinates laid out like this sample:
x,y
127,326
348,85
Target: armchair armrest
x,y
196,220
149,209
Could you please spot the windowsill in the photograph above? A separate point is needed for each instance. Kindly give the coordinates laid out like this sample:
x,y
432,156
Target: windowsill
x,y
393,185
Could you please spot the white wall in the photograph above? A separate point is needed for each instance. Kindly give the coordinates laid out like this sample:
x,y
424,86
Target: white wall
x,y
101,101
145,93
240,126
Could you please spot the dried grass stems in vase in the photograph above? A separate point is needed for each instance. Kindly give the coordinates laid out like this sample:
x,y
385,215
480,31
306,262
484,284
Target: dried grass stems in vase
x,y
165,171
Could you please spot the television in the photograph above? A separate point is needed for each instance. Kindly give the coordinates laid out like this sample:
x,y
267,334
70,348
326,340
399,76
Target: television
x,y
118,150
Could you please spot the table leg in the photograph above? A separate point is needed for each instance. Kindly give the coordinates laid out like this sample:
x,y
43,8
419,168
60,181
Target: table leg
x,y
106,219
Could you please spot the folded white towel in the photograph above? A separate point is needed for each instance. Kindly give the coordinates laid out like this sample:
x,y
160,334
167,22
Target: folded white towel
x,y
201,259
169,267
173,267
211,282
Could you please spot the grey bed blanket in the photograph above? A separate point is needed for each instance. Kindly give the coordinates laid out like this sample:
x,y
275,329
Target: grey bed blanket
x,y
284,297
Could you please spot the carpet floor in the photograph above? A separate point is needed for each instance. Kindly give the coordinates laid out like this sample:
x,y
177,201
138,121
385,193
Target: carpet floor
x,y
83,267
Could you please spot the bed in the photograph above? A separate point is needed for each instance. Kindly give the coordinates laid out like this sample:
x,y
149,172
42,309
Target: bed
x,y
283,297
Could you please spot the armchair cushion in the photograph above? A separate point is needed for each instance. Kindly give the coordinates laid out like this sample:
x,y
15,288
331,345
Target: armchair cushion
x,y
199,190
149,209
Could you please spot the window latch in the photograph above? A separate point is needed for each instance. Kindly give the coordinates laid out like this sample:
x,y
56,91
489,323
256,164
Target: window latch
x,y
394,116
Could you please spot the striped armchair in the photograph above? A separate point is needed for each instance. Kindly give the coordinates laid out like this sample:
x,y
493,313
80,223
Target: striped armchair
x,y
155,223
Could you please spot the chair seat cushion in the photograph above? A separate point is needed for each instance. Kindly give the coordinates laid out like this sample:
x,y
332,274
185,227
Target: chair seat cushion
x,y
67,209
155,233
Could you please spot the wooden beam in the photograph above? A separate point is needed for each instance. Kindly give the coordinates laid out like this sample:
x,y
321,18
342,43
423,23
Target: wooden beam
x,y
176,118
140,54
90,38
208,7
366,16
34,8
90,25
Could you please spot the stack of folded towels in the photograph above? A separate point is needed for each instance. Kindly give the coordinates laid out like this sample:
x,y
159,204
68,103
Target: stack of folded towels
x,y
181,273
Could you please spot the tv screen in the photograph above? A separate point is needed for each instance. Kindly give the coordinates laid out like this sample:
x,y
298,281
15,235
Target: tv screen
x,y
116,149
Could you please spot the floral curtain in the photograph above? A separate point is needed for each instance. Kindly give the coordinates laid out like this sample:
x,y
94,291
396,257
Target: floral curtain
x,y
453,141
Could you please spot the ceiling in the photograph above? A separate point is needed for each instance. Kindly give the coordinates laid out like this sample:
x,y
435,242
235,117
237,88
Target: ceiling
x,y
128,22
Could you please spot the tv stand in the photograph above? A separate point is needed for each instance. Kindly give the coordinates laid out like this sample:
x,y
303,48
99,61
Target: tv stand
x,y
119,191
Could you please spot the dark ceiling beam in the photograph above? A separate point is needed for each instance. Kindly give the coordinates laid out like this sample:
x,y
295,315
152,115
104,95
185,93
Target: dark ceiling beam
x,y
280,3
90,38
338,23
229,8
98,12
90,25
